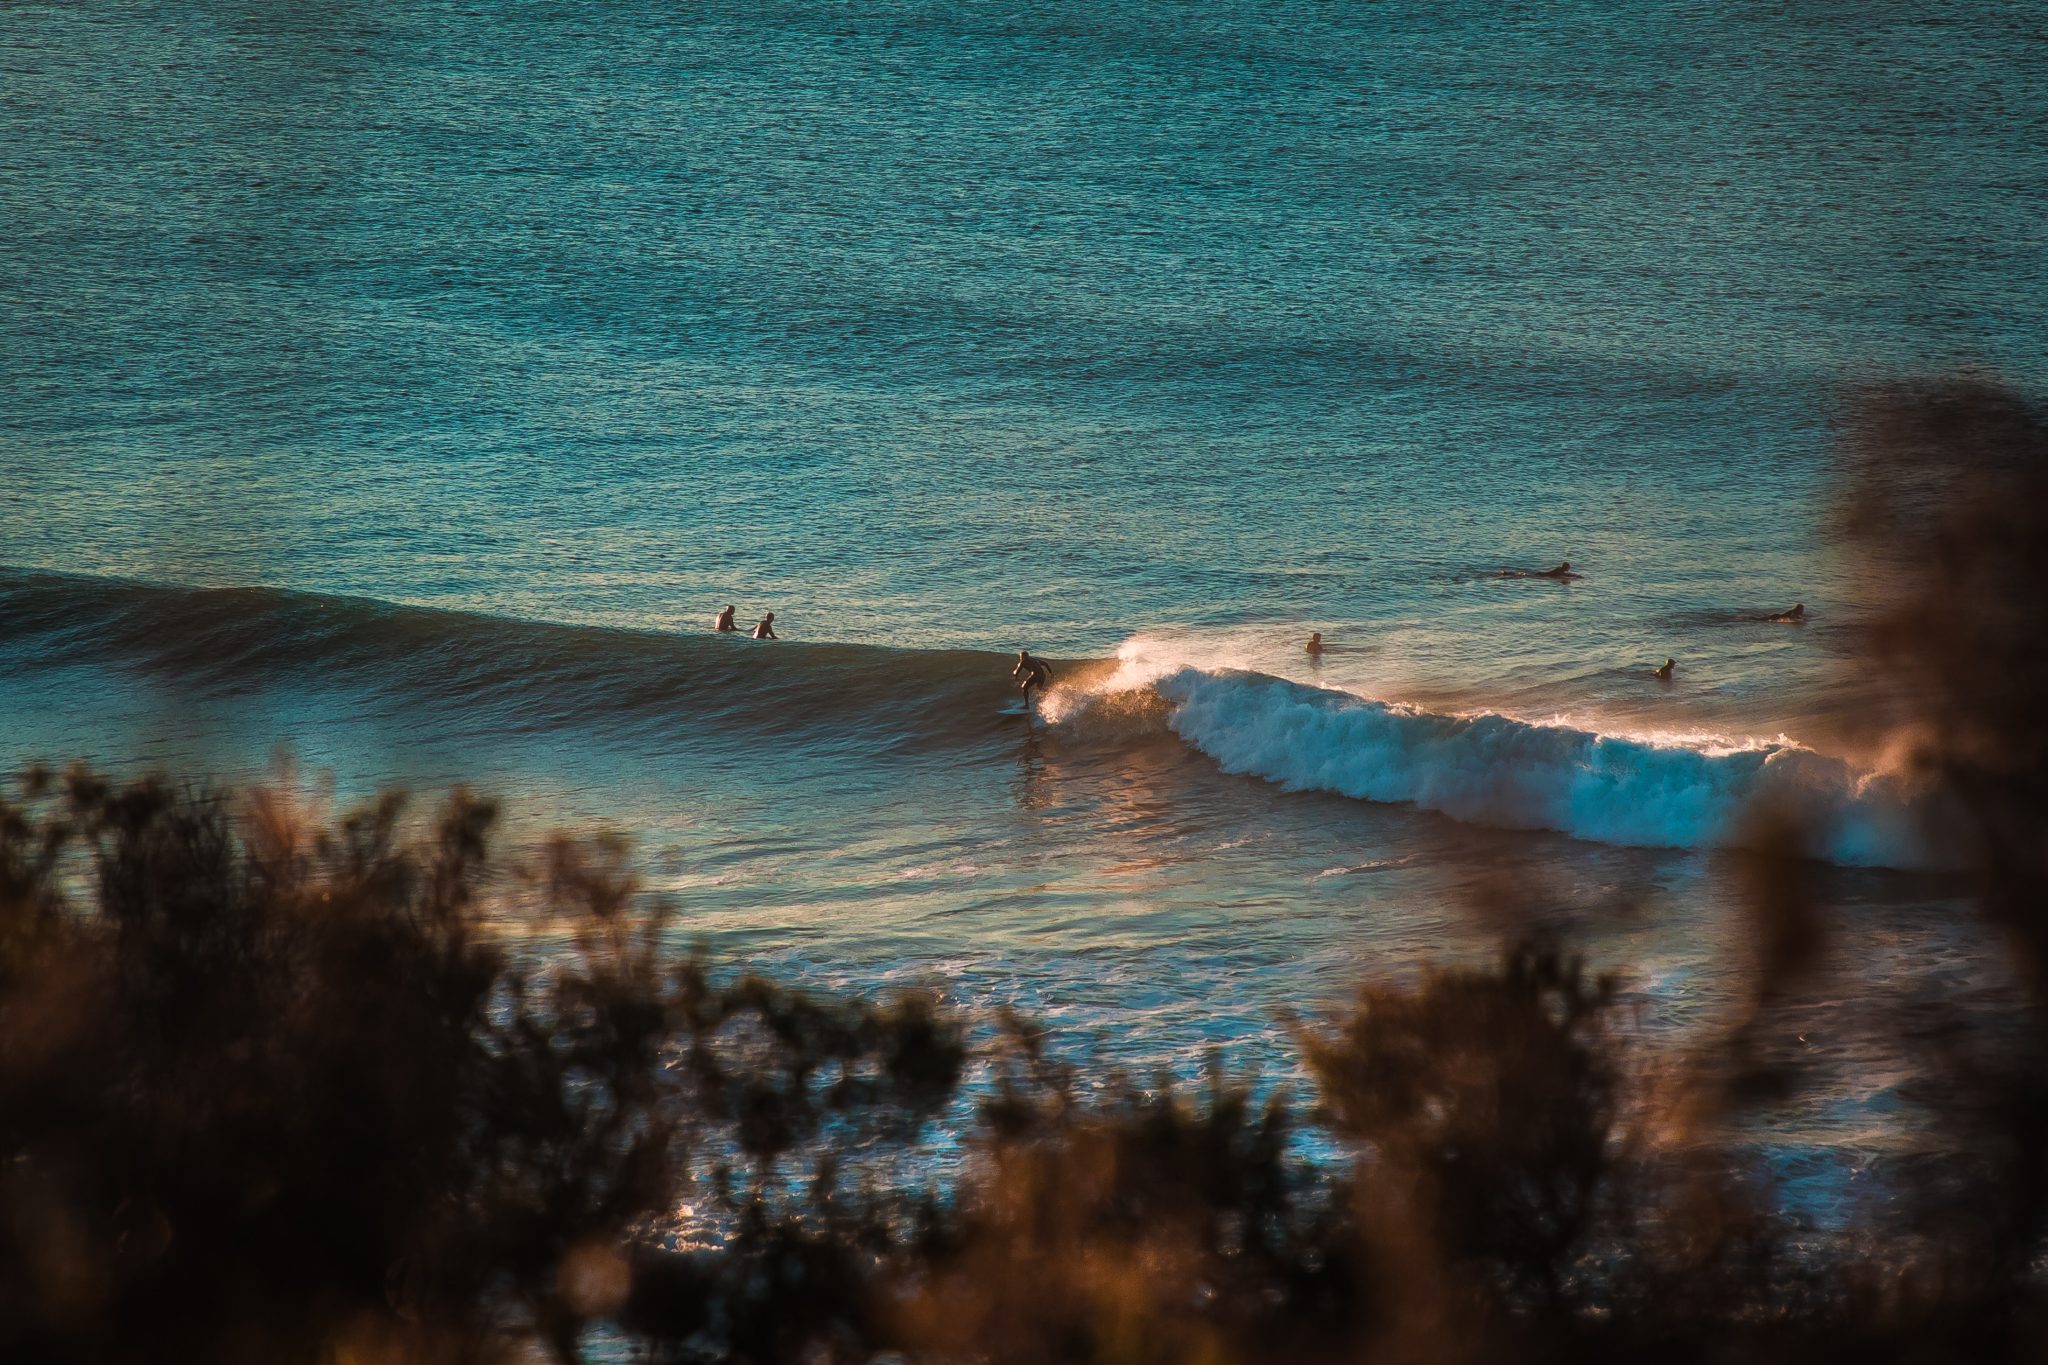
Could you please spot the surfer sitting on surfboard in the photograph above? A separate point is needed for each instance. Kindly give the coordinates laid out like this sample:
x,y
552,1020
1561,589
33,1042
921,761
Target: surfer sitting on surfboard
x,y
1031,673
766,629
724,621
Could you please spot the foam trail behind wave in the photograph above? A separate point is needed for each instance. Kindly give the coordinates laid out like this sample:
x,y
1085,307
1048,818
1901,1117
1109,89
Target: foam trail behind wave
x,y
1496,770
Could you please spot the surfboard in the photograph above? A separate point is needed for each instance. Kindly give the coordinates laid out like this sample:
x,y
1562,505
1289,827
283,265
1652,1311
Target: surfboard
x,y
1016,708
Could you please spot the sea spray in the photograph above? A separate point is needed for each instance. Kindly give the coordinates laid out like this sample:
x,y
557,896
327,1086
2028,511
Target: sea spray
x,y
1660,790
1492,769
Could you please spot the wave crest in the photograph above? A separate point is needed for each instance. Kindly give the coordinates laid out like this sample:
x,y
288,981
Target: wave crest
x,y
1493,769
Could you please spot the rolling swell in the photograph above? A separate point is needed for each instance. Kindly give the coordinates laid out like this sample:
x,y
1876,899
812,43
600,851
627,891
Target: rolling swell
x,y
499,674
522,675
1494,770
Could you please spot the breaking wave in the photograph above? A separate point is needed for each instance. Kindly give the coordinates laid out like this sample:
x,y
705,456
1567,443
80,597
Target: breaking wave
x,y
503,675
1491,769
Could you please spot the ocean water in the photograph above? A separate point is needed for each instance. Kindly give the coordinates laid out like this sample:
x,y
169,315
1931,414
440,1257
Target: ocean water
x,y
408,385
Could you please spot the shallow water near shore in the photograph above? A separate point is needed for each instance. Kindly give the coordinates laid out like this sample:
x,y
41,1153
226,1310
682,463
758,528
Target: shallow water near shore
x,y
410,388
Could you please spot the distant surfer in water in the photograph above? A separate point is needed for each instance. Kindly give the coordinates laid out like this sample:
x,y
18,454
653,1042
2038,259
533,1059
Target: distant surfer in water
x,y
1315,644
724,622
1031,673
766,629
1562,573
1664,674
1795,612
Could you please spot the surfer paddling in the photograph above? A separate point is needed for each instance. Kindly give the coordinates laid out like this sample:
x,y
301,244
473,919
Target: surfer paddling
x,y
724,623
1795,612
766,629
1031,673
1562,572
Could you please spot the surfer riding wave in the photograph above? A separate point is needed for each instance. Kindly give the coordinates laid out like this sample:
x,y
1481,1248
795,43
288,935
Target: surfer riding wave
x,y
1031,673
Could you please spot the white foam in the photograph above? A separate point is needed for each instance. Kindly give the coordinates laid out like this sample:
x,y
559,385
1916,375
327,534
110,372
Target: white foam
x,y
1657,791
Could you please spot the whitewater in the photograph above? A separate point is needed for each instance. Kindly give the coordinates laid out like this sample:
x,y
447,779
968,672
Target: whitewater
x,y
1493,769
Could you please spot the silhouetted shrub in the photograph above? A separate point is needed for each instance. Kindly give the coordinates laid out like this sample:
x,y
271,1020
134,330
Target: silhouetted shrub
x,y
1486,1100
272,1090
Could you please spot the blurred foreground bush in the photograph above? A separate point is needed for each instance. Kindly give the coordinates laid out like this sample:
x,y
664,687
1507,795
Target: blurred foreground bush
x,y
270,1089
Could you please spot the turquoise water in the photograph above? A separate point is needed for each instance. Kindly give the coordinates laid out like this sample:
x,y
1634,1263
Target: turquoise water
x,y
1143,332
